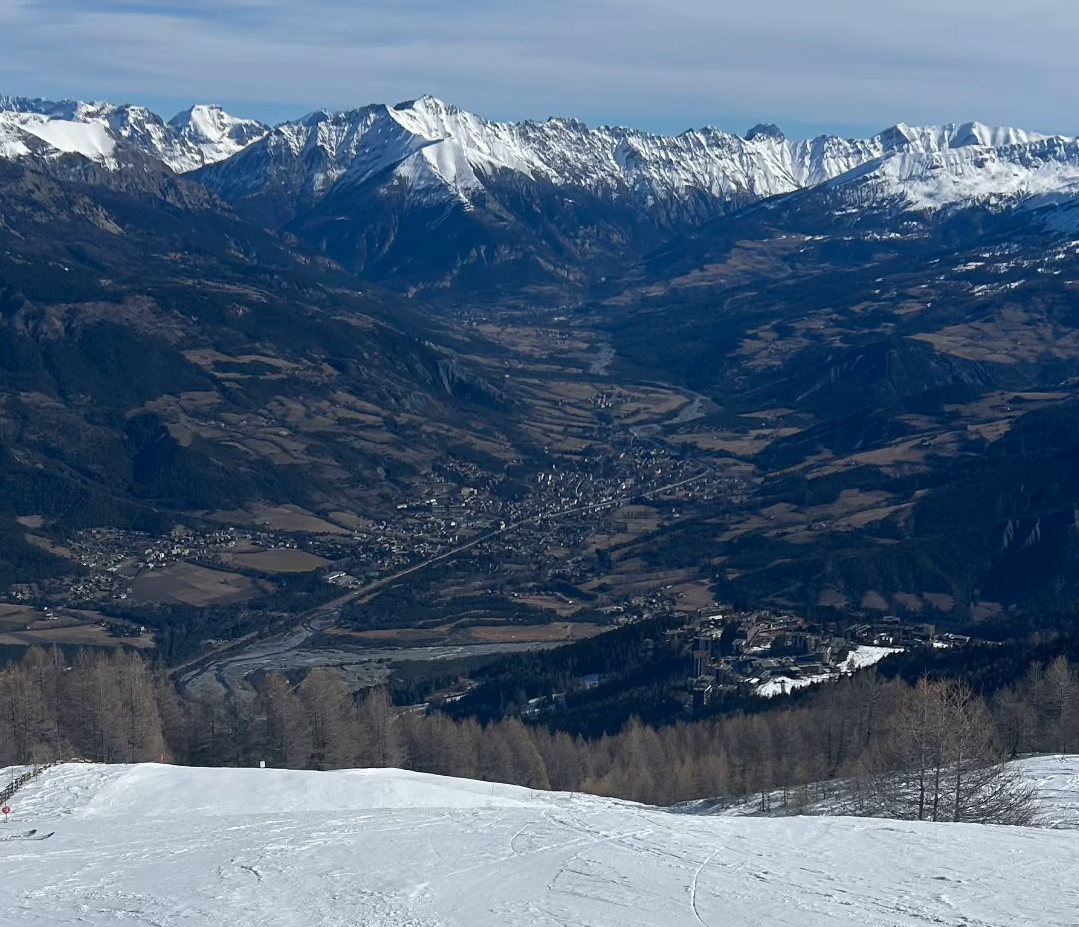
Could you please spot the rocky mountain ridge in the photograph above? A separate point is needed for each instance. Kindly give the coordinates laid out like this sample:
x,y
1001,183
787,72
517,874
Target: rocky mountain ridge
x,y
426,197
102,132
441,151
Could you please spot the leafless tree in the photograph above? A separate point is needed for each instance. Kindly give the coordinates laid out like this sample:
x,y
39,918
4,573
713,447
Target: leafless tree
x,y
942,761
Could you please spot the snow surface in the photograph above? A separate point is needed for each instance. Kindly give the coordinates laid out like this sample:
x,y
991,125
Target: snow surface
x,y
92,139
1054,778
12,140
863,656
380,848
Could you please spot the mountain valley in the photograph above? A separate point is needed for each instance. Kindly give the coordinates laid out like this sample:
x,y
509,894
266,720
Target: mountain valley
x,y
559,378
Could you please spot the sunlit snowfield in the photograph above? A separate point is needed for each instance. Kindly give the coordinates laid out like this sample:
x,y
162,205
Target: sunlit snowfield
x,y
168,846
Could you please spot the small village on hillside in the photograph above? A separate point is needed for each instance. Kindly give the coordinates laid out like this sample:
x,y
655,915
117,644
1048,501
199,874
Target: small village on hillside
x,y
774,654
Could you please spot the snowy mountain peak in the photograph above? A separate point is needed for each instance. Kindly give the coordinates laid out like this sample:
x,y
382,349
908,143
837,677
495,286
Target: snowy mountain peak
x,y
766,130
930,168
929,139
215,133
428,104
102,132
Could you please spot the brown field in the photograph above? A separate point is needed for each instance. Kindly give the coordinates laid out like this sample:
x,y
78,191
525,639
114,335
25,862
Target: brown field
x,y
868,516
534,342
280,560
983,611
767,415
350,520
68,632
765,349
293,518
853,509
553,603
851,501
562,410
888,459
540,634
555,632
447,435
856,508
17,617
647,405
1012,335
743,444
630,522
565,390
45,544
832,598
748,260
208,358
554,439
694,595
875,601
632,577
188,584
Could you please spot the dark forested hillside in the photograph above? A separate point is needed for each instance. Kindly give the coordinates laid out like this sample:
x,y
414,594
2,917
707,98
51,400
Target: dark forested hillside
x,y
116,709
902,387
141,322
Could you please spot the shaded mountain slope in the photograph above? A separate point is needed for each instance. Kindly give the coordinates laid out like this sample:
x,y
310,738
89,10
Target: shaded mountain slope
x,y
158,355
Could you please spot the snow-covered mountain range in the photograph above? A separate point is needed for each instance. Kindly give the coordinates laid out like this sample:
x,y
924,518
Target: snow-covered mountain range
x,y
553,202
439,152
102,132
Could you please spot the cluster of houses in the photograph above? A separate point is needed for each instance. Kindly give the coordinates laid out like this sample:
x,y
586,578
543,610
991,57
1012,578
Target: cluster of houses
x,y
770,653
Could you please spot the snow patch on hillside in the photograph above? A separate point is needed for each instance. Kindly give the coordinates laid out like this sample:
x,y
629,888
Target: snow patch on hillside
x,y
860,657
91,140
12,140
100,131
1056,781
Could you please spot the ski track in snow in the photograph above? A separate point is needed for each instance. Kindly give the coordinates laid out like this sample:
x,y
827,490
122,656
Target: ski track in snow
x,y
175,847
693,890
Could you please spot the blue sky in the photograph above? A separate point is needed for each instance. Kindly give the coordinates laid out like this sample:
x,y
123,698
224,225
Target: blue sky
x,y
846,66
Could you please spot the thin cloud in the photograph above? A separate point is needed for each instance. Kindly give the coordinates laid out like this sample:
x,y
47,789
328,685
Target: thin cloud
x,y
640,61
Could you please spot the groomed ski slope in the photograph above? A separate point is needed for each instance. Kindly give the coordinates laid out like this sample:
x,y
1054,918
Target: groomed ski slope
x,y
169,846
